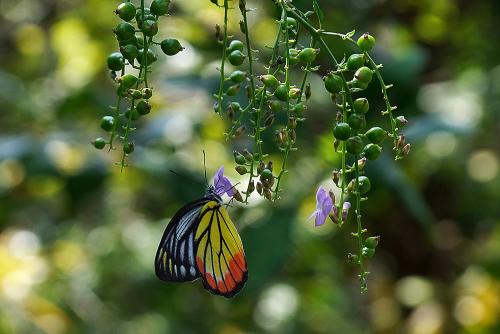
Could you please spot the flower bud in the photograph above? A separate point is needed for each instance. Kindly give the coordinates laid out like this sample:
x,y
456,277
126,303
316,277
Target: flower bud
x,y
239,131
259,188
251,187
248,156
401,121
242,170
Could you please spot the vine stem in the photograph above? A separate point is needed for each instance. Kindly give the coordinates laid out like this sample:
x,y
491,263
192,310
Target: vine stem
x,y
359,233
220,99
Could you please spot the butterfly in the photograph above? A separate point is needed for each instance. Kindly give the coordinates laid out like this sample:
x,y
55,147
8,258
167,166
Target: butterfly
x,y
201,241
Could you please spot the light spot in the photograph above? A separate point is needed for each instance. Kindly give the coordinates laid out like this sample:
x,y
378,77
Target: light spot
x,y
469,311
23,244
277,304
482,166
385,313
178,130
426,319
440,144
412,291
11,174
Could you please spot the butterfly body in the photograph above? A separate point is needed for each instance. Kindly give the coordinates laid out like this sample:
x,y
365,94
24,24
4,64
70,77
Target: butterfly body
x,y
201,241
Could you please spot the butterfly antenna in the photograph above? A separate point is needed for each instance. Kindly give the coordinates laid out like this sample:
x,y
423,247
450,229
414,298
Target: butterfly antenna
x,y
186,177
205,166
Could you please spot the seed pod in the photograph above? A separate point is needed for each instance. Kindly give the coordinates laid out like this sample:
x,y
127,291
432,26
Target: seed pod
x,y
267,194
308,91
239,158
237,196
99,143
259,188
342,131
124,31
251,187
242,170
366,42
149,28
275,106
357,121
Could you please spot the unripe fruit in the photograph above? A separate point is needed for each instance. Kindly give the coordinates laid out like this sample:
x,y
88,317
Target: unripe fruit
x,y
281,93
359,84
368,252
139,15
236,45
107,123
99,143
294,93
136,94
308,55
354,145
143,107
333,83
147,93
355,61
129,51
126,11
159,7
269,80
372,151
171,46
299,108
276,106
116,61
361,106
233,90
238,76
372,242
150,28
266,174
128,80
357,121
342,131
124,31
239,158
366,42
376,135
150,58
128,147
291,22
364,74
364,184
236,58
242,170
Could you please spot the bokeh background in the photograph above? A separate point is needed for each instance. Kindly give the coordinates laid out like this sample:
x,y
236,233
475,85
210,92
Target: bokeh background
x,y
78,238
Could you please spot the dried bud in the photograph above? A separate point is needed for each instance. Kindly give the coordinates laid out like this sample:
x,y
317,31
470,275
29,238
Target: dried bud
x,y
218,34
400,142
269,120
362,163
293,135
336,177
332,195
292,122
243,5
239,131
237,196
267,194
251,187
308,91
270,165
406,150
242,170
242,27
259,188
247,155
280,137
345,211
333,217
401,121
261,167
336,144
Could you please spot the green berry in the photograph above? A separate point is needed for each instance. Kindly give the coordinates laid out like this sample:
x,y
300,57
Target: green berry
x,y
269,80
361,106
276,106
239,158
160,7
151,57
267,174
171,46
366,42
136,94
236,45
364,74
128,147
354,145
99,143
233,90
236,58
129,51
126,11
281,93
359,84
143,107
342,131
333,83
372,242
376,135
291,22
299,108
372,151
357,121
355,61
364,184
294,93
238,76
150,28
241,170
124,31
116,61
128,80
368,252
107,123
132,116
308,55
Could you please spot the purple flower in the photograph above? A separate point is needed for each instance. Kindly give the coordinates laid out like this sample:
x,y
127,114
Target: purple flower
x,y
345,211
222,184
324,206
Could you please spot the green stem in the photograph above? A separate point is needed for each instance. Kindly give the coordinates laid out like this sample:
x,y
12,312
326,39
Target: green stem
x,y
220,98
359,233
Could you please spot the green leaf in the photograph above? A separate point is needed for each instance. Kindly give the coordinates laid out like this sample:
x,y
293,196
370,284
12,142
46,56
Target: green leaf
x,y
319,12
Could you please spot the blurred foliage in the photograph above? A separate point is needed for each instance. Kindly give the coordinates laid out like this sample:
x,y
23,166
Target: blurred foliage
x,y
77,238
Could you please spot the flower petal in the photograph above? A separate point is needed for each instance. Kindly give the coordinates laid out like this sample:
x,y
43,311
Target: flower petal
x,y
222,184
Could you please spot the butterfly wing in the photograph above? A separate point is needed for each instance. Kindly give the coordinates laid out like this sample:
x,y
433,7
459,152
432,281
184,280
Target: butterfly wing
x,y
175,260
220,258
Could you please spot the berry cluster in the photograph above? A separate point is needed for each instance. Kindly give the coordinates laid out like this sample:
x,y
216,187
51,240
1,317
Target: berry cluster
x,y
136,39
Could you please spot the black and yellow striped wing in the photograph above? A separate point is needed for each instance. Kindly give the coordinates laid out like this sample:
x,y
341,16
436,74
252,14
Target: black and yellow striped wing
x,y
220,258
175,260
